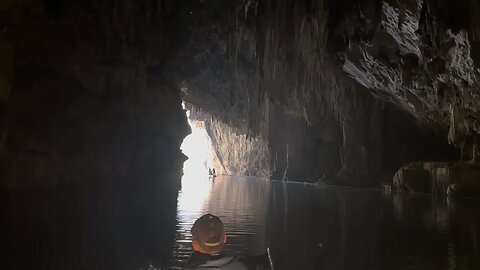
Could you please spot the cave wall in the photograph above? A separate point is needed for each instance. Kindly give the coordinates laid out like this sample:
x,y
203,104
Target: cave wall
x,y
422,56
90,130
303,150
309,88
249,157
84,96
276,70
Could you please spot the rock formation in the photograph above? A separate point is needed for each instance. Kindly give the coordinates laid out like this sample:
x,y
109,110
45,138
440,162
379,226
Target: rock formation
x,y
282,74
91,125
83,94
344,92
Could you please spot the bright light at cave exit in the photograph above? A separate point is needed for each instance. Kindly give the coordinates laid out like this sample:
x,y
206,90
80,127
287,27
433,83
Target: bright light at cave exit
x,y
198,148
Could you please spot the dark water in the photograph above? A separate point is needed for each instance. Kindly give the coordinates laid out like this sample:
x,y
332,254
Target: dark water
x,y
86,227
306,227
310,227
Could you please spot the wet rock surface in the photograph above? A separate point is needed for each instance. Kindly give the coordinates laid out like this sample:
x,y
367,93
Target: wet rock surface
x,y
450,179
281,72
422,57
342,90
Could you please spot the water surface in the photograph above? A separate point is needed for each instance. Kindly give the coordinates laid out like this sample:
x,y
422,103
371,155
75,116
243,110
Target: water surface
x,y
309,227
334,228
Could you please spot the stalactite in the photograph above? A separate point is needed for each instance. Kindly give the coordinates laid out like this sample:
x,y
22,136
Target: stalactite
x,y
286,71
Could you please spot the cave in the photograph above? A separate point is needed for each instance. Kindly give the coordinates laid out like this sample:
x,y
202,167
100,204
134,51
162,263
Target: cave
x,y
370,95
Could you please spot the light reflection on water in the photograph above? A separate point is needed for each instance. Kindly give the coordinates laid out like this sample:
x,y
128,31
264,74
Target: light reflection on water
x,y
335,228
242,205
306,227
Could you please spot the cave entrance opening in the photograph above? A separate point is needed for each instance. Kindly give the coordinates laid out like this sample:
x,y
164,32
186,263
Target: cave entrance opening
x,y
198,148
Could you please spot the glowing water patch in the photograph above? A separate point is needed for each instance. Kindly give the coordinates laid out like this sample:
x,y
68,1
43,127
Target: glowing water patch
x,y
196,186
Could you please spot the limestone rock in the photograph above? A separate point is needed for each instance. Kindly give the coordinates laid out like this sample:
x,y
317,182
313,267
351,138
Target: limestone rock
x,y
280,73
84,96
413,178
349,89
440,178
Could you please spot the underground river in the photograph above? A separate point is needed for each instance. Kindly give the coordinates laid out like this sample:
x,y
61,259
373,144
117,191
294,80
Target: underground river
x,y
306,227
337,228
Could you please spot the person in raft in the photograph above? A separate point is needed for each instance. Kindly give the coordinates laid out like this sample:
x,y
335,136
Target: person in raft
x,y
209,239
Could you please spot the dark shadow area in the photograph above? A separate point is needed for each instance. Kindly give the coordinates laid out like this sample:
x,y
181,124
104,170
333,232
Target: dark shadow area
x,y
357,229
86,227
408,142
